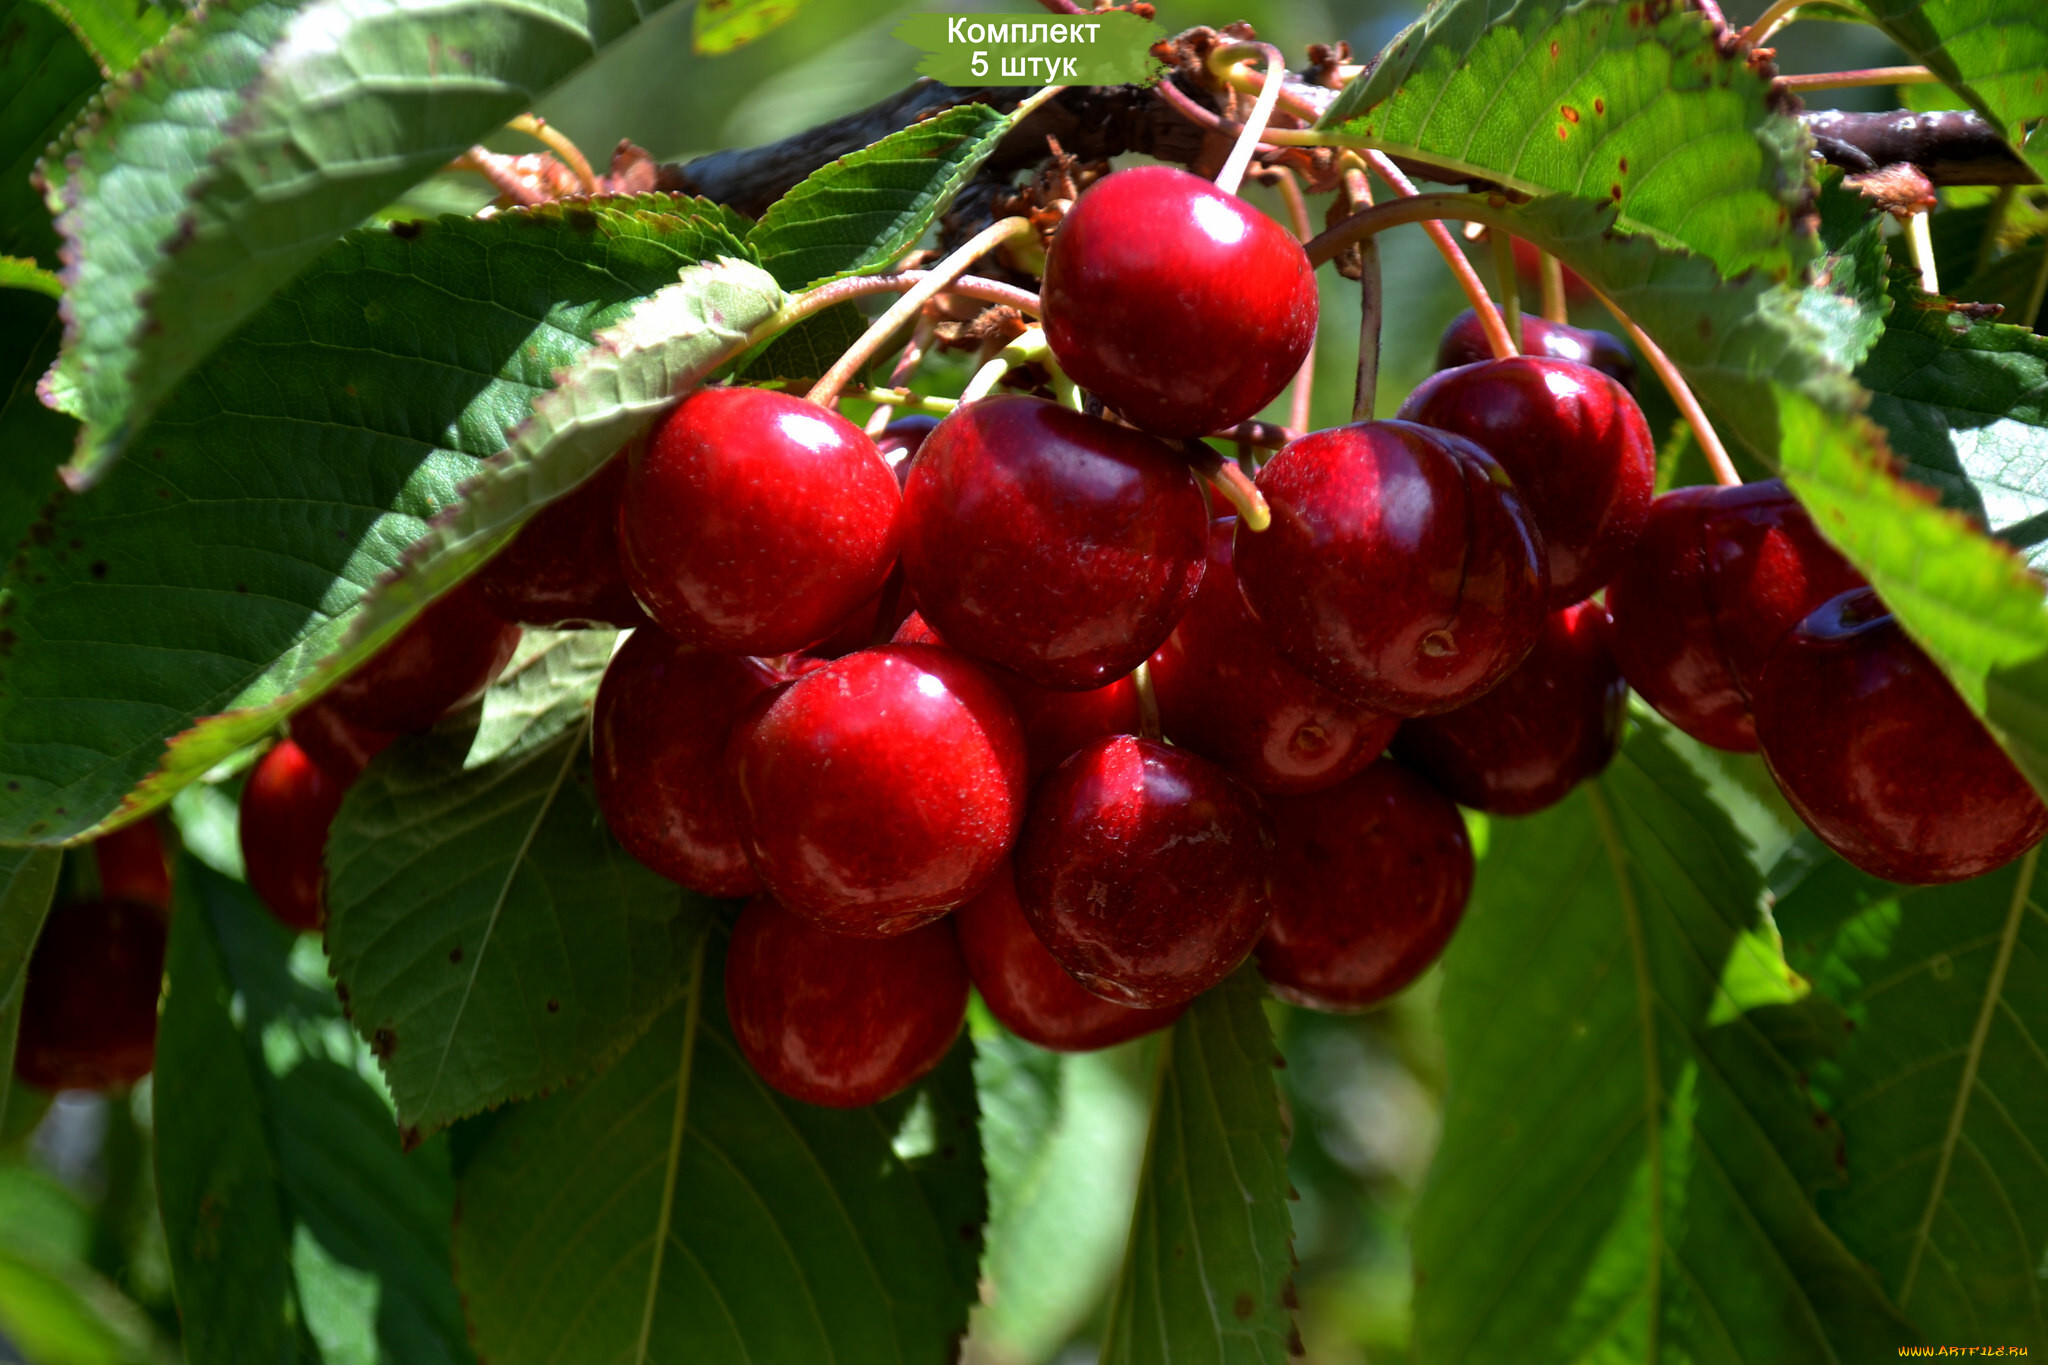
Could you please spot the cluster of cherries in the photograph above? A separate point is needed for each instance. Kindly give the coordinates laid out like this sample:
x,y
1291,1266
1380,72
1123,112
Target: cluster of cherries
x,y
997,701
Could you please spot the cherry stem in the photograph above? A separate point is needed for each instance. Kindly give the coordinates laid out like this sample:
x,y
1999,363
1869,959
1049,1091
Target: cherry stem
x,y
498,170
1504,279
1371,299
1028,348
1681,394
570,155
1922,243
1300,401
1498,338
1221,59
826,391
913,353
1550,279
1874,75
1228,478
1148,702
1768,22
1062,6
1258,435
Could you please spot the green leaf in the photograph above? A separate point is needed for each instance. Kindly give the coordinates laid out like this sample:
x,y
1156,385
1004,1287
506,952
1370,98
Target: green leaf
x,y
808,349
1209,1270
69,1316
1966,406
1994,53
1063,1137
253,137
1942,1089
170,617
116,32
48,76
1847,298
866,209
18,272
28,882
33,439
1631,104
615,391
719,26
1629,1164
492,939
713,1219
295,1227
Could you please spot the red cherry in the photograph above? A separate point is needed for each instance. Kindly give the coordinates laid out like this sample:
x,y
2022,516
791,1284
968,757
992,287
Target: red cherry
x,y
1550,725
1057,545
658,736
132,866
1025,986
1464,343
1184,307
1576,446
563,569
901,440
88,1012
288,806
1226,693
1143,870
449,654
1369,884
1055,723
841,1021
336,743
1716,579
1401,570
754,522
882,790
1880,756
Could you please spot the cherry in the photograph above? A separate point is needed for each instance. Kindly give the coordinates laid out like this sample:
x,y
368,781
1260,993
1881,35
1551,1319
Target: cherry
x,y
1716,579
1055,723
841,1021
658,738
1028,990
882,790
336,743
448,655
1143,870
1576,446
563,569
132,866
1464,343
1184,307
1369,884
1060,546
1401,570
88,1012
288,805
901,440
754,522
1551,724
1880,756
1226,693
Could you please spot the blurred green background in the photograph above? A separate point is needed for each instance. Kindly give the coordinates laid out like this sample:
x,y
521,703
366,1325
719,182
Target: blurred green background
x,y
83,1274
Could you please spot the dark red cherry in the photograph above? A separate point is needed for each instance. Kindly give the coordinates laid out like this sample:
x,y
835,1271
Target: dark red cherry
x,y
902,439
1060,546
132,865
1226,693
1401,570
563,569
1550,725
1028,990
1464,343
754,522
1184,307
1880,756
449,654
658,739
841,1021
882,790
88,1012
335,742
1055,723
1369,882
1715,580
288,805
1143,870
1576,446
